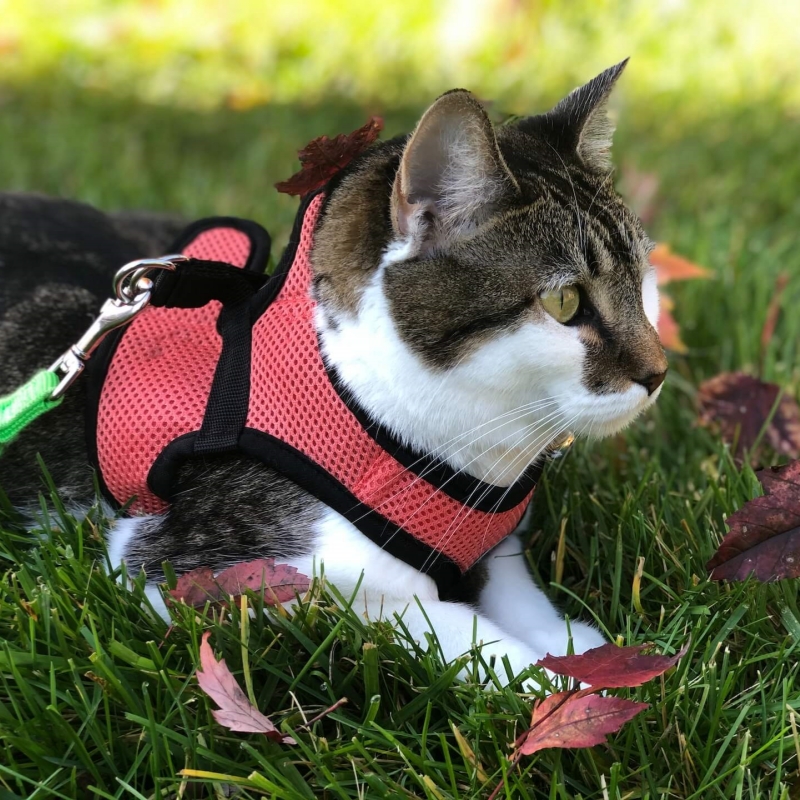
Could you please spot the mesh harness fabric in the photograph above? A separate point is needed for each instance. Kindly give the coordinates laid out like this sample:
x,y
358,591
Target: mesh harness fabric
x,y
249,377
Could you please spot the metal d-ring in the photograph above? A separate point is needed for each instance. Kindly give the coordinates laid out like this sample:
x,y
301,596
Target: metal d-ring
x,y
127,279
132,288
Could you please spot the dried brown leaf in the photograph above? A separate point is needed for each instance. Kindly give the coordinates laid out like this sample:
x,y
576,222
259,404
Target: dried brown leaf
x,y
739,405
610,667
279,582
566,719
672,267
236,712
668,330
764,537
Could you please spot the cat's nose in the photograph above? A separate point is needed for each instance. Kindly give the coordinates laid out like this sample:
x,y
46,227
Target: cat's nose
x,y
651,382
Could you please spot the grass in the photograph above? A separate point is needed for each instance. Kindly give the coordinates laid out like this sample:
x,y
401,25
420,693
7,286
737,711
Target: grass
x,y
97,695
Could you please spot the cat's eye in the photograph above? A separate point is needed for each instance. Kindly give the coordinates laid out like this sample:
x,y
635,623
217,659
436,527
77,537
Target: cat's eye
x,y
561,304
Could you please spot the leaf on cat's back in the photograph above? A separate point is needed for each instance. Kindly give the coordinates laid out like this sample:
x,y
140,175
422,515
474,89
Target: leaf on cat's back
x,y
322,158
279,583
764,534
567,720
236,712
739,406
611,667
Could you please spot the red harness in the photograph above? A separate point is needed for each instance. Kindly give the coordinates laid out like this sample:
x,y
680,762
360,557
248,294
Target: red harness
x,y
173,387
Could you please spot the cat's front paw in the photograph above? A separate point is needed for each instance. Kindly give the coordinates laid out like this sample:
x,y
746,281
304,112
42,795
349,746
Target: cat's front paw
x,y
585,637
555,643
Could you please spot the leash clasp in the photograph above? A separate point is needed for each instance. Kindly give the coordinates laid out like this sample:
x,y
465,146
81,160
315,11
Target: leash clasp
x,y
133,289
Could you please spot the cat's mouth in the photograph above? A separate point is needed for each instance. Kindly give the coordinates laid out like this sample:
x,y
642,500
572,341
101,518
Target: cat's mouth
x,y
599,416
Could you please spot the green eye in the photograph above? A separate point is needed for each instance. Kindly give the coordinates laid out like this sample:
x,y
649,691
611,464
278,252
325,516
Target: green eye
x,y
562,304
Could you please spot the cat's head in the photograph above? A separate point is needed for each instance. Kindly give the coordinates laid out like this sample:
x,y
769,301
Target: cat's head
x,y
470,271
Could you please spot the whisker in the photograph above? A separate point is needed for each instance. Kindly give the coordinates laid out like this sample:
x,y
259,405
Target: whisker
x,y
445,538
539,444
521,411
440,488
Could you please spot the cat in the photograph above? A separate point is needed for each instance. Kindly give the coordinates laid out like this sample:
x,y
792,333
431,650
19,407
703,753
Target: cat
x,y
481,292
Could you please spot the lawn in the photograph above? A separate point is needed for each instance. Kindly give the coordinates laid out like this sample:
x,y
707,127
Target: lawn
x,y
98,696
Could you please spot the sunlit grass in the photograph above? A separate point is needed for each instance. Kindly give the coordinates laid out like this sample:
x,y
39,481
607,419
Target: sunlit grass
x,y
204,53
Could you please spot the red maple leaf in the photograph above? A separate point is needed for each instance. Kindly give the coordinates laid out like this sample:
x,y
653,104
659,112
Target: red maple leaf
x,y
764,537
672,267
236,712
567,719
279,582
611,667
668,329
739,406
322,158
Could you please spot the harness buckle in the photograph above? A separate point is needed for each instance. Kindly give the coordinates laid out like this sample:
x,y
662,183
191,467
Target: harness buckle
x,y
133,288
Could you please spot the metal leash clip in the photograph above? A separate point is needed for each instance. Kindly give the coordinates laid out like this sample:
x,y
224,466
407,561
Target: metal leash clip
x,y
133,289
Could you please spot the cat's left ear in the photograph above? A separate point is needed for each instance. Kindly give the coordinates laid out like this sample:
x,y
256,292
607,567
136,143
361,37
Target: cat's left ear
x,y
579,124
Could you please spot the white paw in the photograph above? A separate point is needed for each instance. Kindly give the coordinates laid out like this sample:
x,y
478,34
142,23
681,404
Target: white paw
x,y
554,642
585,637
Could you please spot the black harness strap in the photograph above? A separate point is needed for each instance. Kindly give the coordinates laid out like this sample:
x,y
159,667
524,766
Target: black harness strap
x,y
193,284
196,282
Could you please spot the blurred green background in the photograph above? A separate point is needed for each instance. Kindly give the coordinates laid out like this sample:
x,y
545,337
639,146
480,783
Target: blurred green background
x,y
199,106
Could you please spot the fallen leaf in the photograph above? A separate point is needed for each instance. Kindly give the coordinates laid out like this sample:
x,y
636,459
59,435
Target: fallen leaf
x,y
764,537
196,588
280,583
236,712
322,158
573,720
672,267
668,330
611,667
739,405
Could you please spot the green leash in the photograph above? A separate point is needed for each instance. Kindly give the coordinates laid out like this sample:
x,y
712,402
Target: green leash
x,y
31,400
44,391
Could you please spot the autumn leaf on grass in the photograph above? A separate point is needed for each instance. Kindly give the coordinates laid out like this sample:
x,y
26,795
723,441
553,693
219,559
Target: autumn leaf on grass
x,y
322,158
576,720
581,717
611,667
236,712
668,329
738,406
280,583
671,267
764,538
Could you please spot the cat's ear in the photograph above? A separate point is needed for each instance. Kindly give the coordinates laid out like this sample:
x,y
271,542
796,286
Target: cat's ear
x,y
452,174
580,124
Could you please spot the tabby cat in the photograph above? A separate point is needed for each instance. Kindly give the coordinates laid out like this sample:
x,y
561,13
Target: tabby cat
x,y
481,292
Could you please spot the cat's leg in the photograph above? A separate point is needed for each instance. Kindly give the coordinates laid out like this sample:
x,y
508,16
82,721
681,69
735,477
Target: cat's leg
x,y
121,540
382,586
513,601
